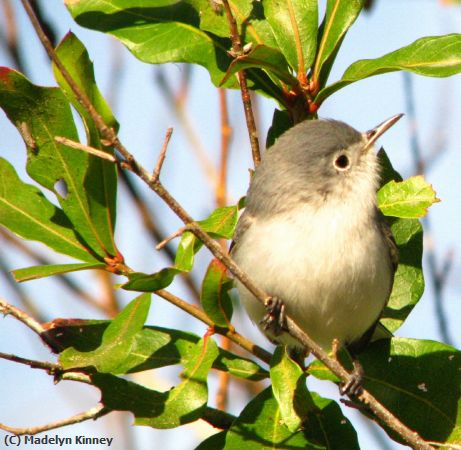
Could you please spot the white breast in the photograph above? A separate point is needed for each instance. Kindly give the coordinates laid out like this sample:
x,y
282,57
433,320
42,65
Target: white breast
x,y
331,270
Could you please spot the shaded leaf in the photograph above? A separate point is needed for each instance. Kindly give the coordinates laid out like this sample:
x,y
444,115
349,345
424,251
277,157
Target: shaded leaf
x,y
214,296
421,380
409,281
40,114
432,56
26,211
101,176
153,347
289,389
407,199
117,340
186,402
281,122
339,17
267,58
32,273
215,442
294,25
259,427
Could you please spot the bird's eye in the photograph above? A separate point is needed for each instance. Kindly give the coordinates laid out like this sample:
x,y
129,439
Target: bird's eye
x,y
342,162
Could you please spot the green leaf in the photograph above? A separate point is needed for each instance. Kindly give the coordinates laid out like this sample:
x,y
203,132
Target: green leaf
x,y
26,211
101,176
188,246
289,388
294,25
339,17
407,199
222,222
420,381
175,25
153,347
281,122
408,281
186,402
263,57
144,282
117,340
214,296
432,56
259,427
32,273
215,442
40,114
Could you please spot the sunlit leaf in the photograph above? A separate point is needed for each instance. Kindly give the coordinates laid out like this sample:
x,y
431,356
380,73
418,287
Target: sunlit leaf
x,y
25,211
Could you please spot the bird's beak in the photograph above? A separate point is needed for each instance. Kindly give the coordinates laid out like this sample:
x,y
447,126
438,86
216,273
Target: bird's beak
x,y
372,135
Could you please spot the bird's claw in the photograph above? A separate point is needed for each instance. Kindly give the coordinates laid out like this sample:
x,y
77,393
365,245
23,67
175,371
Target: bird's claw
x,y
355,384
275,318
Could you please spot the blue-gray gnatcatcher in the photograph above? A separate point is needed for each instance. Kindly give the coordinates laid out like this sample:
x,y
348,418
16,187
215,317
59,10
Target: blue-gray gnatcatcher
x,y
312,236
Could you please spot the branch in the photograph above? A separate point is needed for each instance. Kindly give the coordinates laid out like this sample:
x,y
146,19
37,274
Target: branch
x,y
161,158
93,413
49,367
409,436
237,50
231,334
22,316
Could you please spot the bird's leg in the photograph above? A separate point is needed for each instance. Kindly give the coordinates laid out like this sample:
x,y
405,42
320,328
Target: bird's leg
x,y
275,318
355,384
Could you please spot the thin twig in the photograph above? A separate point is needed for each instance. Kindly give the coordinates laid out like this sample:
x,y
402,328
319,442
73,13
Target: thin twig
x,y
172,236
22,316
86,148
93,413
178,104
11,35
161,158
132,164
246,98
226,133
240,340
49,367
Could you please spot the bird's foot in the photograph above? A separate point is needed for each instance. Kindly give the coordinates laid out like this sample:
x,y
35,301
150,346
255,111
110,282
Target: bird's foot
x,y
355,384
275,318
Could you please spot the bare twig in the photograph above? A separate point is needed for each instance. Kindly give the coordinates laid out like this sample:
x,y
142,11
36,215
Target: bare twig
x,y
23,317
177,102
246,98
409,436
49,367
161,158
86,148
11,35
172,236
240,340
93,413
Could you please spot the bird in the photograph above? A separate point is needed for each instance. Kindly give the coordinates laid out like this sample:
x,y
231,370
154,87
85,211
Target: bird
x,y
312,236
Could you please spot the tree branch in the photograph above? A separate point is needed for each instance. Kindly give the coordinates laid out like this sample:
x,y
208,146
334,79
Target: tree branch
x,y
93,413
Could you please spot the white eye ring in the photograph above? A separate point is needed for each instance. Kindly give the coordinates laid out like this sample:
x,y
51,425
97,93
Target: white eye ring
x,y
342,162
